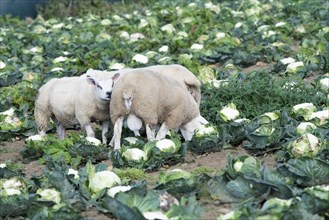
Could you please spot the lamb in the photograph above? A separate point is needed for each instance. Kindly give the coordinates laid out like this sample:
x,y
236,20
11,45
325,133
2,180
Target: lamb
x,y
146,96
74,100
175,71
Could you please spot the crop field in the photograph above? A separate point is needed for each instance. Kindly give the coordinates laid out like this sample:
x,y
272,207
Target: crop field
x,y
264,68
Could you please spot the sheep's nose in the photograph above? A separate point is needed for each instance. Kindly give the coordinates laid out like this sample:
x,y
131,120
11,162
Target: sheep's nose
x,y
109,94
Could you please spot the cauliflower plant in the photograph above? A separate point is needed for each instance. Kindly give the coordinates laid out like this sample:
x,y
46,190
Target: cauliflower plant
x,y
93,141
166,145
169,28
12,186
320,117
131,140
241,120
294,67
12,183
238,166
305,127
135,154
304,109
141,58
288,60
11,192
174,174
10,120
49,195
73,172
319,191
155,215
264,130
229,112
219,83
36,137
114,190
2,65
102,180
306,145
268,117
324,84
205,130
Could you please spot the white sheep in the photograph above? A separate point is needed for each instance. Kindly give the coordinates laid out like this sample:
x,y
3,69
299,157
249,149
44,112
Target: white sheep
x,y
175,71
150,97
74,100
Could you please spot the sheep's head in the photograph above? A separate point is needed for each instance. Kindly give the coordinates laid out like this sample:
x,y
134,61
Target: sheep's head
x,y
103,87
187,129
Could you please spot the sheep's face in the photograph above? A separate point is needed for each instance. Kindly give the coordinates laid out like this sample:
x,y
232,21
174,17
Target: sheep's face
x,y
187,130
103,87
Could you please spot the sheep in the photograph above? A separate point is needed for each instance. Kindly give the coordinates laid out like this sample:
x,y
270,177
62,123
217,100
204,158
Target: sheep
x,y
146,96
74,100
175,71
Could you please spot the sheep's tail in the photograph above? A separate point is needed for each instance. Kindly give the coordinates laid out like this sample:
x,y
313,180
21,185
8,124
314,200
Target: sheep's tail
x,y
42,113
128,99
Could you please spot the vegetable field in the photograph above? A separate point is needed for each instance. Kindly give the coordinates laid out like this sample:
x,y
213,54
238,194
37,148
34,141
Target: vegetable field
x,y
264,67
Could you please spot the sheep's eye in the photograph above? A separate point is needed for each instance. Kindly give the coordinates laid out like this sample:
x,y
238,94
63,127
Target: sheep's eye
x,y
98,86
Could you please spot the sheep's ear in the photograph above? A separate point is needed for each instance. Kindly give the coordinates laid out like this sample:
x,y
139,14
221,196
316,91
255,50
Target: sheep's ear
x,y
89,71
91,80
116,76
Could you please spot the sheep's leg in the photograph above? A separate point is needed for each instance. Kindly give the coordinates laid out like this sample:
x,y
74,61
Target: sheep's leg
x,y
150,133
60,131
162,132
89,130
117,133
105,129
186,134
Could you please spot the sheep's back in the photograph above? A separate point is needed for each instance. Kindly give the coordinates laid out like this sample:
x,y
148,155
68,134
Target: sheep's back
x,y
62,99
175,71
142,88
153,95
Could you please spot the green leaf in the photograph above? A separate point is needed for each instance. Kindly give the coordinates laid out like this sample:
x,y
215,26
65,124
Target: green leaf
x,y
90,169
188,209
246,189
120,210
315,200
250,167
6,173
209,143
13,206
306,171
217,190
